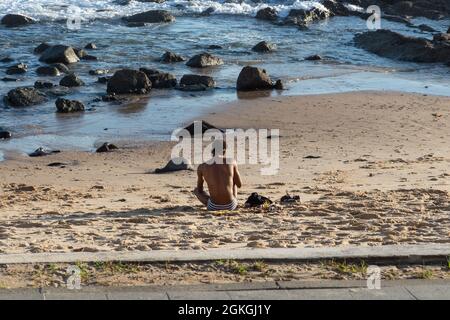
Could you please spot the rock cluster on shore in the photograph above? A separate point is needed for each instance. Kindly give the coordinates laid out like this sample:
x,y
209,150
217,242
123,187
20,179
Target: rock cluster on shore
x,y
394,45
58,58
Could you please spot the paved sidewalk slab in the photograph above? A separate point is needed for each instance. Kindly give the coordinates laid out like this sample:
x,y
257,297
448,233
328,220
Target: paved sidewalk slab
x,y
404,253
21,294
299,290
423,292
385,293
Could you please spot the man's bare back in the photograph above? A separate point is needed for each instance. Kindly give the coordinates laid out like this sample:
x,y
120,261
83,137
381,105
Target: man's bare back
x,y
222,178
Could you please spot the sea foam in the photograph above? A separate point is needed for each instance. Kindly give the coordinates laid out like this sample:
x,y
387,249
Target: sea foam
x,y
50,10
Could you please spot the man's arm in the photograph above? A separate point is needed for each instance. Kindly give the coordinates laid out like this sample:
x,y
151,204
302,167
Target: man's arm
x,y
237,176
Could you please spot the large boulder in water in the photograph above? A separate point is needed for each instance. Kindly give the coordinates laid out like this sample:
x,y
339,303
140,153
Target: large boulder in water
x,y
19,68
432,9
16,20
68,106
170,57
71,80
5,134
129,81
160,80
267,14
41,48
152,16
303,17
336,8
59,54
264,47
47,71
394,45
252,78
24,97
193,82
204,60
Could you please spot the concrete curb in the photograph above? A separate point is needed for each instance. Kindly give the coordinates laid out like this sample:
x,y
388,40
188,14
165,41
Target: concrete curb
x,y
387,253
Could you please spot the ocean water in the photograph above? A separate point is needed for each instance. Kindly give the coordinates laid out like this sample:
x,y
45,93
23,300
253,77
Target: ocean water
x,y
232,26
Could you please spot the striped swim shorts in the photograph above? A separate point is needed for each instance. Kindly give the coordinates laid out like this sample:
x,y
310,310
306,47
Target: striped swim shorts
x,y
218,207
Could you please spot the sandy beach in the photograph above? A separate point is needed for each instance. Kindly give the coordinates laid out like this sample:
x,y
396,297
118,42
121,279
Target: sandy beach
x,y
379,174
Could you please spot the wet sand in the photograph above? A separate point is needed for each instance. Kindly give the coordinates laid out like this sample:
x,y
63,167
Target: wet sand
x,y
371,168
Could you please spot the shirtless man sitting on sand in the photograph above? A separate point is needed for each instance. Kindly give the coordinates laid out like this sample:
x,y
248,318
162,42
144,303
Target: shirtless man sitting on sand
x,y
223,179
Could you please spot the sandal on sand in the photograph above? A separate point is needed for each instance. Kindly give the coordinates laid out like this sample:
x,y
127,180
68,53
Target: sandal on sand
x,y
287,199
256,200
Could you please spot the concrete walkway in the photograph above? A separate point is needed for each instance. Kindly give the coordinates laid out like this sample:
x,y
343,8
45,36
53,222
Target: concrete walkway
x,y
392,253
292,290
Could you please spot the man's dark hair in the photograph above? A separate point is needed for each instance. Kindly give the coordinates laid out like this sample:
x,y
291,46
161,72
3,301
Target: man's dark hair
x,y
219,146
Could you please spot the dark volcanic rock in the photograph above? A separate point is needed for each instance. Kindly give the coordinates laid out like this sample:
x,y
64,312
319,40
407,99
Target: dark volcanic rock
x,y
41,48
16,20
426,28
432,9
160,80
129,81
89,57
6,60
175,165
59,54
302,17
90,46
58,91
441,37
170,57
67,106
252,78
20,68
24,97
41,152
43,85
152,16
61,67
393,45
103,80
79,52
267,14
8,79
106,147
427,9
278,85
264,47
71,80
336,8
204,60
193,82
314,57
48,71
5,134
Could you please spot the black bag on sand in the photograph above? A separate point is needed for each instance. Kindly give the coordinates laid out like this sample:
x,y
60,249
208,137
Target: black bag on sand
x,y
256,200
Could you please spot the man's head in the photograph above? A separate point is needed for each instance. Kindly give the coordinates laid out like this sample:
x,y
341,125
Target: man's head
x,y
219,147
